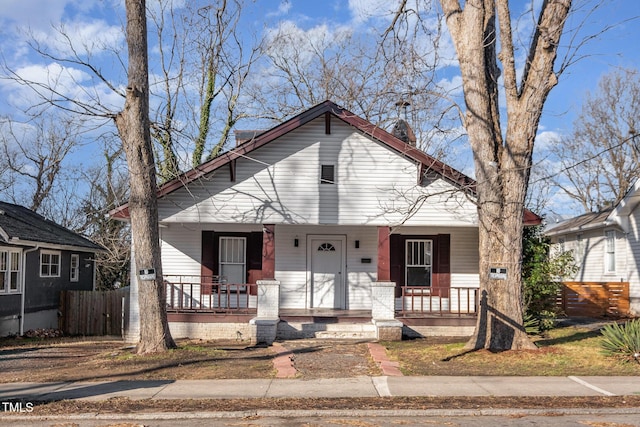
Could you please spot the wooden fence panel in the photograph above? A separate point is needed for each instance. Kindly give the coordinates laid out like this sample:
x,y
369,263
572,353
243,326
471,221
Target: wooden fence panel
x,y
92,312
595,299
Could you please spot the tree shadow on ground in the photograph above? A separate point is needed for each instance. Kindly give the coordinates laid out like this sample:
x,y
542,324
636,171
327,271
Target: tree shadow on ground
x,y
577,336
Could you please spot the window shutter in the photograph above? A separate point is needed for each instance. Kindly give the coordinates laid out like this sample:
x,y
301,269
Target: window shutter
x,y
254,259
208,264
442,264
397,261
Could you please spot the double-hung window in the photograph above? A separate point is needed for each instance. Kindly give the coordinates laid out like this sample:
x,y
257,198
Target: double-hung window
x,y
610,251
9,272
419,262
233,259
49,264
74,268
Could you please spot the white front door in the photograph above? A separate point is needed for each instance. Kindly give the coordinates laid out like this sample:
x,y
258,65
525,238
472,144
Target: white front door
x,y
327,270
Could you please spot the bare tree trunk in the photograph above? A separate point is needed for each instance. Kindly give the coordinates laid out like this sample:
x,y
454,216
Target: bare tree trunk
x,y
133,127
502,166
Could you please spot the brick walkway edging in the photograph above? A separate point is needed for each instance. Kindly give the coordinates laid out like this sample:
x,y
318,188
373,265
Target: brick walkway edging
x,y
285,368
283,361
379,355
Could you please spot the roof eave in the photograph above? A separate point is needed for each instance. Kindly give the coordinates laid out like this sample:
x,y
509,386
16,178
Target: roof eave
x,y
35,243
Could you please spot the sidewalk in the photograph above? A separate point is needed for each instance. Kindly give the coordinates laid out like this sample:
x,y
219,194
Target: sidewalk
x,y
383,386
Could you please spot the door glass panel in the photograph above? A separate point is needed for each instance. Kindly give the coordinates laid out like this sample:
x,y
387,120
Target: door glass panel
x,y
233,259
418,263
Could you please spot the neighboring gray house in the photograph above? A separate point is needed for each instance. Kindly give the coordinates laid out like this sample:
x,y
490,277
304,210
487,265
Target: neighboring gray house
x,y
606,245
38,259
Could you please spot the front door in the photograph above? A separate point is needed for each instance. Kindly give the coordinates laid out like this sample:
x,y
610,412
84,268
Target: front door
x,y
328,288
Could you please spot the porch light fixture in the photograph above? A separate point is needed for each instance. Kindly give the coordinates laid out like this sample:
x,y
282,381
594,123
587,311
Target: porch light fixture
x,y
357,244
295,242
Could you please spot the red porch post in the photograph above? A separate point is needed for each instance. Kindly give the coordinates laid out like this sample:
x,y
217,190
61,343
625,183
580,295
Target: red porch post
x,y
384,263
268,251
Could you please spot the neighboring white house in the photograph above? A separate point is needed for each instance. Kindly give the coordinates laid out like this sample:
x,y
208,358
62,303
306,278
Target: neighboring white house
x,y
606,245
335,214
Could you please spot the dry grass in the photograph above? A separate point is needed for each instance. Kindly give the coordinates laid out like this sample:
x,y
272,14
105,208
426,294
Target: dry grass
x,y
565,351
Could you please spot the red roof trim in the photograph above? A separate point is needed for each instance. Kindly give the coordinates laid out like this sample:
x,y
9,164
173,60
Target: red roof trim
x,y
428,162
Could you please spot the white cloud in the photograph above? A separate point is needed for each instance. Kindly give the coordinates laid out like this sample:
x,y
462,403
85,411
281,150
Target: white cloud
x,y
545,139
32,13
290,41
452,87
83,38
365,10
57,82
283,8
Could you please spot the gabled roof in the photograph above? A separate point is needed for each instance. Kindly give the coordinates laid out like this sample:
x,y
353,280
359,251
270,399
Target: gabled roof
x,y
584,222
617,215
22,226
327,108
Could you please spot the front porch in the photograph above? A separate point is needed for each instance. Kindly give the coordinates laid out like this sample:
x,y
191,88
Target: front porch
x,y
207,306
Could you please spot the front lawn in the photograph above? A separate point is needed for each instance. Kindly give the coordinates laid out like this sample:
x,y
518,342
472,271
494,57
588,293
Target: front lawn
x,y
565,351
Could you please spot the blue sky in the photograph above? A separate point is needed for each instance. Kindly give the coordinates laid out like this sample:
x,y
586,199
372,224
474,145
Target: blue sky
x,y
97,24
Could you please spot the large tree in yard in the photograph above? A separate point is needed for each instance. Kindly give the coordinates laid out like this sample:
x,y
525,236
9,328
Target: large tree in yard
x,y
133,127
502,160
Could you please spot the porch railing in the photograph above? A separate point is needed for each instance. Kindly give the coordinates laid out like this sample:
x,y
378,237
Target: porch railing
x,y
209,294
425,300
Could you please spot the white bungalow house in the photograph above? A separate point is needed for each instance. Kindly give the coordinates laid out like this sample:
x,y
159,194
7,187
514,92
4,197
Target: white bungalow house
x,y
324,224
606,247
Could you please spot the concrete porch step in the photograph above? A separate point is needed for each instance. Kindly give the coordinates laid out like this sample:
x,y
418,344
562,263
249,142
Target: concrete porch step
x,y
347,331
288,329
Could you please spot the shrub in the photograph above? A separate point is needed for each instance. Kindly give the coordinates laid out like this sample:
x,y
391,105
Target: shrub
x,y
542,273
622,339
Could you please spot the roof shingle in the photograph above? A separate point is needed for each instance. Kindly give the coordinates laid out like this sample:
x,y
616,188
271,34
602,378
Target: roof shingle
x,y
17,222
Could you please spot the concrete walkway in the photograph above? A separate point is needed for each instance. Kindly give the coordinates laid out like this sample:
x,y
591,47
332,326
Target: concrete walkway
x,y
324,388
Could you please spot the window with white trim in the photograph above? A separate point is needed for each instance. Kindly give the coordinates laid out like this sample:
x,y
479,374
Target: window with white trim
x,y
9,272
233,259
610,251
74,268
49,264
561,243
419,262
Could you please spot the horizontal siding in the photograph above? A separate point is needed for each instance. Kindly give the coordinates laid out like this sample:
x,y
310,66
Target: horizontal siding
x,y
633,243
591,259
291,264
181,251
181,245
279,184
591,262
464,252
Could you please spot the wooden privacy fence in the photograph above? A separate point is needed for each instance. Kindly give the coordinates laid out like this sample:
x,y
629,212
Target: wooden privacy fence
x,y
595,299
92,312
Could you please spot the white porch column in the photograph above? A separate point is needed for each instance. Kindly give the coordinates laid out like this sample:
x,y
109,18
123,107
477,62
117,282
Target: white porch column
x,y
383,300
265,324
383,311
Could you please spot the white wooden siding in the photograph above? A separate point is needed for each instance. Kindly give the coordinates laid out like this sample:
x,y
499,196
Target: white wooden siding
x,y
633,266
280,183
592,264
181,252
181,245
464,252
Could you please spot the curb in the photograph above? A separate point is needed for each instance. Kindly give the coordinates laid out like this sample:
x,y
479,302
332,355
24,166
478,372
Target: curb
x,y
347,413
